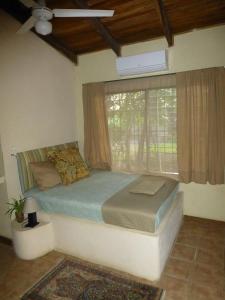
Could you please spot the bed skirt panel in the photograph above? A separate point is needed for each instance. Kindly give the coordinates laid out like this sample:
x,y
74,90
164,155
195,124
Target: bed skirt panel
x,y
135,252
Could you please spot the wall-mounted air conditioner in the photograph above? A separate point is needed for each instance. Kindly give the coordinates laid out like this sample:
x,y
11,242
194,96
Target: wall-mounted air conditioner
x,y
142,63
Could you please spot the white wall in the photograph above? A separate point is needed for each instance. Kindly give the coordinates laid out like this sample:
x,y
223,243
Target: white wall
x,y
195,50
37,100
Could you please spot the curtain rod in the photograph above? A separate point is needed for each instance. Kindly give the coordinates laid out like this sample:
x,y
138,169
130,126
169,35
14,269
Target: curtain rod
x,y
174,73
108,81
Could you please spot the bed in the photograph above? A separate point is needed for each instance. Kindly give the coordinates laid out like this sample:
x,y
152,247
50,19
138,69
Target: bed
x,y
84,222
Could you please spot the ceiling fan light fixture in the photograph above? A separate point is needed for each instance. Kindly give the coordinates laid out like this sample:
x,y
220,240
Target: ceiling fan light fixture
x,y
43,27
40,15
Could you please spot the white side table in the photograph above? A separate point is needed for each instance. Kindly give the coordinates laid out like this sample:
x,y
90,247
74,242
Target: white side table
x,y
30,243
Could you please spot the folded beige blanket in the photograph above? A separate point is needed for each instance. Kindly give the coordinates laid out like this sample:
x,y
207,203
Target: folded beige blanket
x,y
148,186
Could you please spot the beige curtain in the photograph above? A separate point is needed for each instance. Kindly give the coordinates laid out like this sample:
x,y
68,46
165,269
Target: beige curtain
x,y
96,138
201,125
142,124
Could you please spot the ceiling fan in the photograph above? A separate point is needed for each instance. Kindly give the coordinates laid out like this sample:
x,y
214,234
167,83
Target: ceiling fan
x,y
41,15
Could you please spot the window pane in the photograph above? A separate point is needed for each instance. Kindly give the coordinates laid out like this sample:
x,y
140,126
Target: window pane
x,y
142,128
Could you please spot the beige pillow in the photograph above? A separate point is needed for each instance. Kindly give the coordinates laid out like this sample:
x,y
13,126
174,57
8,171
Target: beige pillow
x,y
45,174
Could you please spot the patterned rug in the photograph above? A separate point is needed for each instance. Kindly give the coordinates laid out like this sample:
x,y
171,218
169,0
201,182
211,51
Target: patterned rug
x,y
72,280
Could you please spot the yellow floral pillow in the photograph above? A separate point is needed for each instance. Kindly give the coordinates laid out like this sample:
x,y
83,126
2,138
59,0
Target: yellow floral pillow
x,y
82,168
69,164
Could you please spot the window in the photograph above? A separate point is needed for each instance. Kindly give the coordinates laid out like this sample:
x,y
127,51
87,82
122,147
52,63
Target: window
x,y
142,130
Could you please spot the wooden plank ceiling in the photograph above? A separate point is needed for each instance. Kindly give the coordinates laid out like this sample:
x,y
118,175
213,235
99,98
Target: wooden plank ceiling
x,y
134,21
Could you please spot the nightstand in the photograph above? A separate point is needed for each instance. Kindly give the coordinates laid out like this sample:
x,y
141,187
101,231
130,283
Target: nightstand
x,y
31,243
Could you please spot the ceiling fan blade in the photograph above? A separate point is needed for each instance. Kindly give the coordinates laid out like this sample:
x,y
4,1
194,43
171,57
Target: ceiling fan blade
x,y
82,13
27,25
29,3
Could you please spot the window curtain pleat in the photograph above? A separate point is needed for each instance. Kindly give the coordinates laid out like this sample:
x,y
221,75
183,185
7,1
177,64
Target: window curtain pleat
x,y
96,138
201,125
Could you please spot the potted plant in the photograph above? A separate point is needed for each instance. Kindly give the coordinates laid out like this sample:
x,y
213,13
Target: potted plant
x,y
16,207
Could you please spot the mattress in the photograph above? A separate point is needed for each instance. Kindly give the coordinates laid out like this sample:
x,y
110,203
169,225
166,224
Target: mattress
x,y
85,198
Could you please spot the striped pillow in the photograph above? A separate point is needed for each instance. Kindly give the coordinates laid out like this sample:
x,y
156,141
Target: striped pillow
x,y
27,181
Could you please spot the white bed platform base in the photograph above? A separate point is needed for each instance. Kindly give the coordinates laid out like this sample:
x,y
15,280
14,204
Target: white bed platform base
x,y
138,253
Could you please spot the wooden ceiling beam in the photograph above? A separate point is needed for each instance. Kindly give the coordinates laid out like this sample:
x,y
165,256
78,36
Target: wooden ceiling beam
x,y
21,13
60,46
101,29
164,21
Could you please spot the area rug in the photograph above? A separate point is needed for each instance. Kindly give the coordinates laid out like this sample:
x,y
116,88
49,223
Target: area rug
x,y
72,280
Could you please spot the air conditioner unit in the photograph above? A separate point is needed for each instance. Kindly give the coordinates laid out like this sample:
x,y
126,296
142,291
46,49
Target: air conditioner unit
x,y
142,63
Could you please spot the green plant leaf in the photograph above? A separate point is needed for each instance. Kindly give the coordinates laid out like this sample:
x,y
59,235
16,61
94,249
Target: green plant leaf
x,y
16,206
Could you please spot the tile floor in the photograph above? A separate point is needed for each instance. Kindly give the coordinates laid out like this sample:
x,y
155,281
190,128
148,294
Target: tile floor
x,y
195,269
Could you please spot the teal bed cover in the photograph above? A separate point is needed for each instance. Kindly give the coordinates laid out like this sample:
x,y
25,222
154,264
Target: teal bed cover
x,y
84,199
